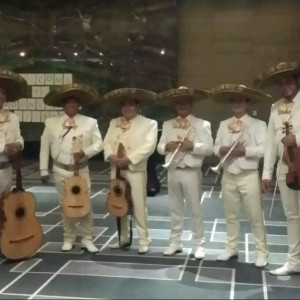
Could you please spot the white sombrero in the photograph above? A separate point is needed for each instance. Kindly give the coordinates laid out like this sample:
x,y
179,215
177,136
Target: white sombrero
x,y
14,85
277,72
169,96
85,94
227,91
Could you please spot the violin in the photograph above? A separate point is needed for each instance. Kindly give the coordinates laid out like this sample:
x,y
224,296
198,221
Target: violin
x,y
292,155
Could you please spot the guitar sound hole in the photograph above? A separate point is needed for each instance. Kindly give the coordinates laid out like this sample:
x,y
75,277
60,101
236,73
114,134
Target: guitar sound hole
x,y
20,212
75,190
117,191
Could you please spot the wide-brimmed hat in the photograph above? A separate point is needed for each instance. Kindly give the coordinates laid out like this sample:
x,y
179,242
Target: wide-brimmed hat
x,y
168,97
85,94
14,85
225,92
277,72
115,97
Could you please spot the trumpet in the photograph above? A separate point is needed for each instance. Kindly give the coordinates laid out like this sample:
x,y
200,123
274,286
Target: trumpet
x,y
167,164
220,165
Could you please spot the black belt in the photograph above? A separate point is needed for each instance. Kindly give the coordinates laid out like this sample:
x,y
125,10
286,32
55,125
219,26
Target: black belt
x,y
4,165
70,167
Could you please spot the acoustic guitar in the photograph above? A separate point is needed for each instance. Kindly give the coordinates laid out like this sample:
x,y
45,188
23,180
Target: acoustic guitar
x,y
119,201
76,202
21,233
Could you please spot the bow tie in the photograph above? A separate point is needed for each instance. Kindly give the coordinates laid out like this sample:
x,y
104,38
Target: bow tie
x,y
236,126
123,123
4,116
181,123
285,107
69,123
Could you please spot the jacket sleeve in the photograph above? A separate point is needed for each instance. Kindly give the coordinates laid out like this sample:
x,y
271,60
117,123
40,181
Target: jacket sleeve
x,y
218,140
45,147
270,151
204,142
19,138
147,147
97,143
161,147
108,150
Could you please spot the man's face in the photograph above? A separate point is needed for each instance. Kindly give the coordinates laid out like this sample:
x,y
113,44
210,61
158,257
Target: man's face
x,y
129,108
71,107
183,107
288,87
2,97
239,105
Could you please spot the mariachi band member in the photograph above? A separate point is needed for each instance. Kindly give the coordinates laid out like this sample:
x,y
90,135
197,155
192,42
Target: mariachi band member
x,y
12,88
285,76
191,139
57,142
245,137
138,136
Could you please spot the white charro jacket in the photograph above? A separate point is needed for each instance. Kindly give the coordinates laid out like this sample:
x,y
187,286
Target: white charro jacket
x,y
138,136
200,135
275,133
9,133
60,148
254,138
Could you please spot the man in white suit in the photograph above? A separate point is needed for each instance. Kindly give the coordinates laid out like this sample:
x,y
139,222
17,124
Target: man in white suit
x,y
191,138
138,136
57,142
240,179
12,88
286,76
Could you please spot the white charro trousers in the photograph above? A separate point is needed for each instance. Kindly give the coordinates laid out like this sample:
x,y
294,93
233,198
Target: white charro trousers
x,y
244,188
291,205
185,188
5,180
137,181
69,224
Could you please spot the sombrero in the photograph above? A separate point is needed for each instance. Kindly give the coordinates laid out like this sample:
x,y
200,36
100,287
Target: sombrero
x,y
169,96
277,72
14,85
118,95
85,94
224,92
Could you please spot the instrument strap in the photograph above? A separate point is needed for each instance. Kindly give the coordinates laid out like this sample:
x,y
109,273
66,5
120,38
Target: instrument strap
x,y
119,231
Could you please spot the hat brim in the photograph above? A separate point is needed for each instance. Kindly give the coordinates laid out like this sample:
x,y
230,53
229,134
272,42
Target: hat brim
x,y
116,97
170,96
273,78
253,96
84,94
15,87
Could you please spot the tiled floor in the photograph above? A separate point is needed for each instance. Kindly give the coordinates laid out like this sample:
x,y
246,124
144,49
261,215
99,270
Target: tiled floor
x,y
118,274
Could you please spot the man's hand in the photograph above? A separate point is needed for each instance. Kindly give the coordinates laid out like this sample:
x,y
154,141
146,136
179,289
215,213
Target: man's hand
x,y
122,162
289,140
113,159
12,148
45,179
239,150
171,146
223,150
186,145
78,155
266,186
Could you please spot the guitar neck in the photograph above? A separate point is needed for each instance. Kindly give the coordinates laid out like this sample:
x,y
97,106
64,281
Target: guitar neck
x,y
120,153
19,180
76,168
